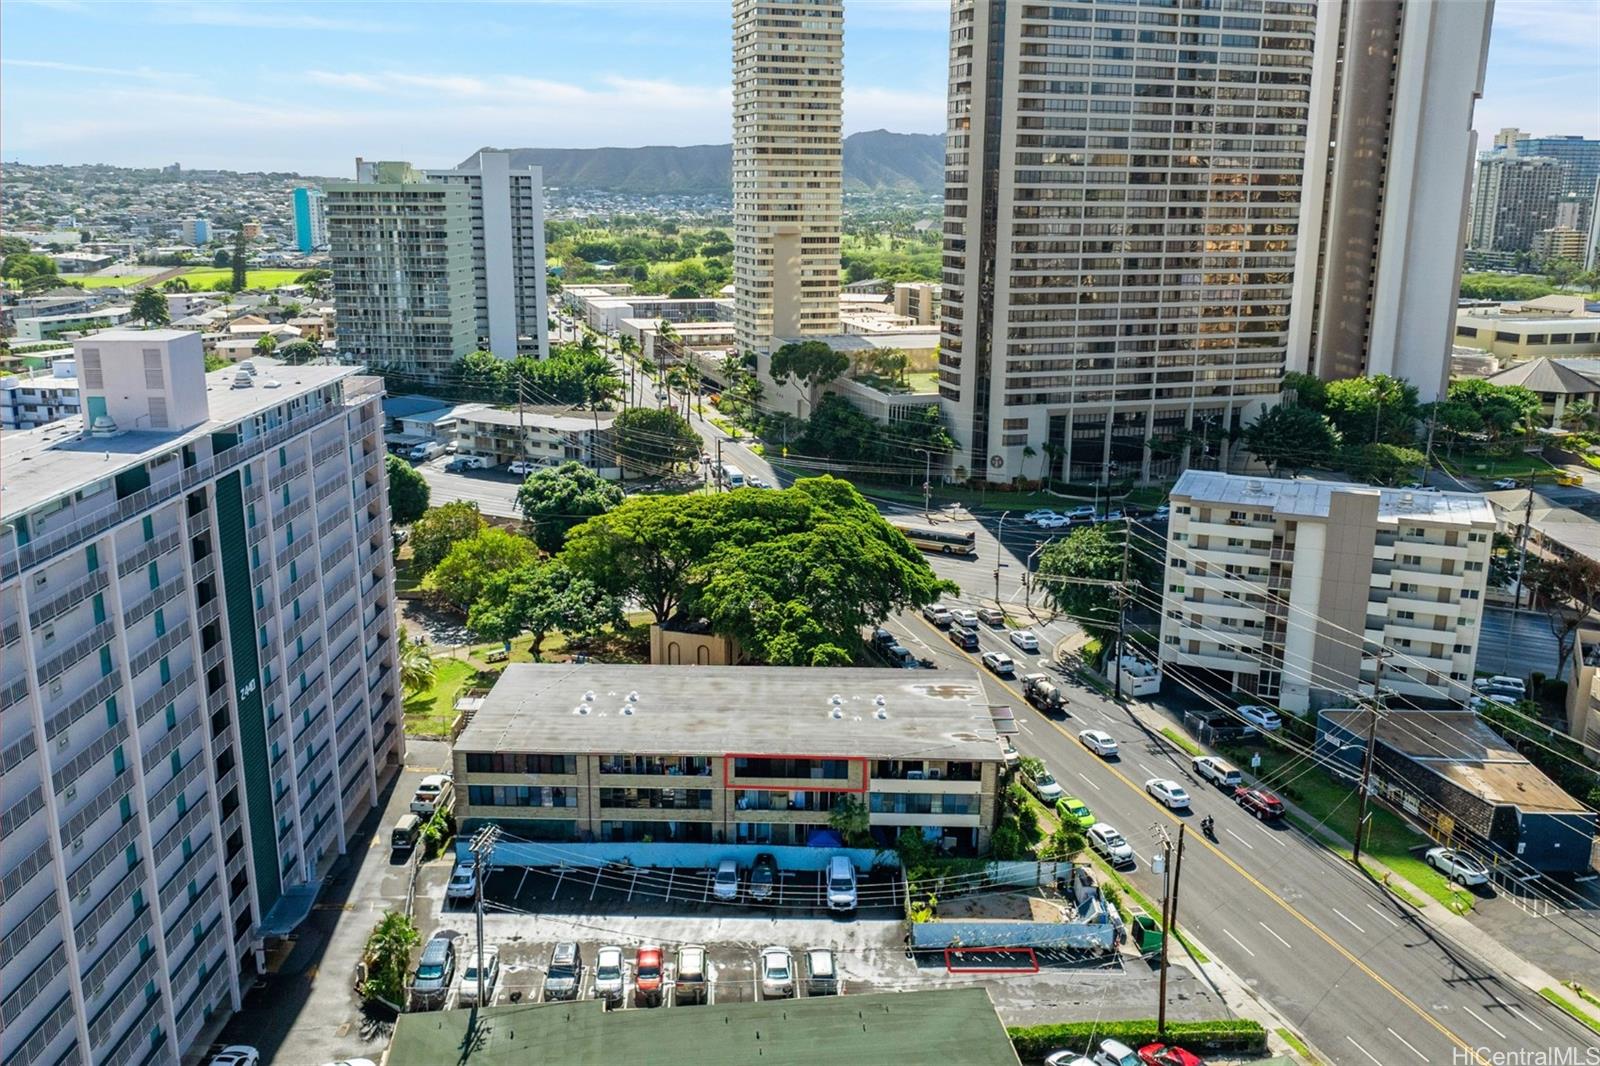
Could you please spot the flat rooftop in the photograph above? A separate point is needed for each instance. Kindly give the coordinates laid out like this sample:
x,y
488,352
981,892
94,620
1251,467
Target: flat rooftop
x,y
562,418
39,465
1312,498
1461,747
955,1025
714,710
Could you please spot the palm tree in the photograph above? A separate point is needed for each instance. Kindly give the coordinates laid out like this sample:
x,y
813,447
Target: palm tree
x,y
1027,453
416,664
1055,452
1579,415
388,957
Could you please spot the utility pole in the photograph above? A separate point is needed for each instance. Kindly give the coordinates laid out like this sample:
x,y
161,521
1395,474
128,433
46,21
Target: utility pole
x,y
998,547
482,847
1367,756
1122,608
1522,549
717,470
927,474
1427,456
1172,871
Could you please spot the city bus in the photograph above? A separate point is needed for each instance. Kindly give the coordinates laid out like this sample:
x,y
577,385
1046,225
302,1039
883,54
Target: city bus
x,y
947,541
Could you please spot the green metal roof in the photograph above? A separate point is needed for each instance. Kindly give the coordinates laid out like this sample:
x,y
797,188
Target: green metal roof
x,y
957,1025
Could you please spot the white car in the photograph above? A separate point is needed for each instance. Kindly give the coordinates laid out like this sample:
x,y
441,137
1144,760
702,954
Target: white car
x,y
1039,515
1043,784
608,978
463,881
468,995
1081,514
965,618
1457,867
1506,483
1066,1057
1105,839
841,884
1024,639
1112,516
433,790
726,884
523,467
1263,718
236,1055
777,973
1115,1053
1169,792
1217,771
999,663
1098,741
1502,685
353,1062
1160,514
1057,521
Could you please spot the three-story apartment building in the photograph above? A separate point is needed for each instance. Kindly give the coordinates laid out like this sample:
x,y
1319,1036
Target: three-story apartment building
x,y
199,698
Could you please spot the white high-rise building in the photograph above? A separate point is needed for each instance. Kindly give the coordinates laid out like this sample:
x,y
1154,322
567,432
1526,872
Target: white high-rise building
x,y
1388,174
506,211
788,165
1123,189
199,693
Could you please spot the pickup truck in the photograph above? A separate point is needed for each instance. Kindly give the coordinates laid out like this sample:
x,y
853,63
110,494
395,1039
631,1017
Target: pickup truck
x,y
1217,772
436,789
939,615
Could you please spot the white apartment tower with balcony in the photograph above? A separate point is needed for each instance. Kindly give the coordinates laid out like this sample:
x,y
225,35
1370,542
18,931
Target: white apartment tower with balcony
x,y
788,173
199,698
1288,590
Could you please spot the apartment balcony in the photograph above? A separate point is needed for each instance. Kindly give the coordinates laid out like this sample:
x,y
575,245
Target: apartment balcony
x,y
1258,534
1240,583
87,644
292,552
160,597
339,480
311,613
301,585
10,633
131,990
326,528
278,477
166,694
1212,659
327,451
27,1050
76,595
33,923
18,877
170,840
253,492
118,950
88,927
35,985
102,745
1394,631
149,552
1225,555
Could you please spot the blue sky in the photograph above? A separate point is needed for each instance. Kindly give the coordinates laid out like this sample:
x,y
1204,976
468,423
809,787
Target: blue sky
x,y
309,86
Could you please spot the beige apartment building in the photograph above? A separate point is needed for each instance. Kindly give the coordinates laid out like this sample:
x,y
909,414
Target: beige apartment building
x,y
547,436
728,754
1287,589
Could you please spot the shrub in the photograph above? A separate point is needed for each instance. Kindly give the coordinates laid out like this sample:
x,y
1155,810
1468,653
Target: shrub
x,y
1234,1036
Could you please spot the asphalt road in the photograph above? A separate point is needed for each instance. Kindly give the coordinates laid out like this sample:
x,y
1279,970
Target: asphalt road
x,y
1362,976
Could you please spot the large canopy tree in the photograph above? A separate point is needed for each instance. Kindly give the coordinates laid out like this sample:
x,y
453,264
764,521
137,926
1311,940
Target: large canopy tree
x,y
1289,439
541,598
555,499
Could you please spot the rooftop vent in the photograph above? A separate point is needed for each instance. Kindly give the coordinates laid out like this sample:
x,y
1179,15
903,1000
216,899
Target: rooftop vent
x,y
103,426
1253,488
633,697
582,708
627,708
878,699
880,714
835,713
836,699
588,697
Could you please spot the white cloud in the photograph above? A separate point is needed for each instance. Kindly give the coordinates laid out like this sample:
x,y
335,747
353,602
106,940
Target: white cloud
x,y
899,110
142,73
260,16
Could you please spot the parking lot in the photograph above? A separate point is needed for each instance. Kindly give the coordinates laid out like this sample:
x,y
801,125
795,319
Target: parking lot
x,y
528,912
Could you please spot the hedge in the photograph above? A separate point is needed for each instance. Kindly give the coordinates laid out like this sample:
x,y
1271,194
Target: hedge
x,y
1233,1035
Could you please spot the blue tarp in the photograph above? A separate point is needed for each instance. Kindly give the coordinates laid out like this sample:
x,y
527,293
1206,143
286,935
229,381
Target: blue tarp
x,y
824,838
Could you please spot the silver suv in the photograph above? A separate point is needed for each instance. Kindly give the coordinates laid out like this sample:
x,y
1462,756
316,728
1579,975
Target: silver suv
x,y
566,972
435,970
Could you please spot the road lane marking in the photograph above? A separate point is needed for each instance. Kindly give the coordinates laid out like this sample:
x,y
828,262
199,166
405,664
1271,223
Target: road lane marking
x,y
1346,917
1472,1053
1236,940
1147,770
1382,915
1520,1013
1481,1018
1407,1043
1363,1050
1275,936
1240,839
1087,779
1270,835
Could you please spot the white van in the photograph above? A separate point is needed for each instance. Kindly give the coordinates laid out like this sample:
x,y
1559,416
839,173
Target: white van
x,y
426,450
841,884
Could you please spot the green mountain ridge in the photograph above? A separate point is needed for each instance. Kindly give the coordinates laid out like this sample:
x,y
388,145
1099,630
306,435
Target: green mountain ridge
x,y
874,161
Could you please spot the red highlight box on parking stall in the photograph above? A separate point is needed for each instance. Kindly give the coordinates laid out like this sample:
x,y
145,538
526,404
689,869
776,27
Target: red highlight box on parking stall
x,y
807,786
953,955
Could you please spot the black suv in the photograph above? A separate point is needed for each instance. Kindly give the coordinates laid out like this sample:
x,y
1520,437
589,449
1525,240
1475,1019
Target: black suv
x,y
964,638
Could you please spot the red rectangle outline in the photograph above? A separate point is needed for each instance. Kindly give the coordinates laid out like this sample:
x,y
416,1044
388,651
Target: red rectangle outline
x,y
728,782
1033,961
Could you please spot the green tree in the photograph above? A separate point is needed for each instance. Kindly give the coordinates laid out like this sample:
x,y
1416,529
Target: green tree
x,y
150,307
408,492
554,500
387,958
22,266
222,258
266,344
542,598
14,246
850,819
1382,464
1088,553
1304,390
439,528
175,285
1373,409
297,352
1289,439
1569,590
653,440
416,663
461,576
240,261
811,363
645,548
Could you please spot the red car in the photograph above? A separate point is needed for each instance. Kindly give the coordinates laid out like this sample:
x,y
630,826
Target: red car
x,y
1168,1055
647,977
1259,802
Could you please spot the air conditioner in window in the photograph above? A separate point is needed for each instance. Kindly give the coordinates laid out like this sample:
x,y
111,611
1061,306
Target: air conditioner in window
x,y
71,793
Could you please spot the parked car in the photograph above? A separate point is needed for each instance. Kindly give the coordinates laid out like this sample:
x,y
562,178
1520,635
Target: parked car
x,y
463,881
1502,685
647,977
434,790
841,884
425,451
964,638
466,462
1263,718
999,663
1084,513
992,616
1041,783
903,657
403,837
1259,802
608,977
822,976
1066,1057
522,467
565,973
1457,867
467,995
1074,808
236,1055
883,640
1039,515
1217,771
965,617
763,876
725,886
1168,792
1025,639
939,615
1042,692
689,981
1168,1055
1105,839
1059,521
435,969
777,972
1505,483
1161,514
1113,516
1115,1053
1098,741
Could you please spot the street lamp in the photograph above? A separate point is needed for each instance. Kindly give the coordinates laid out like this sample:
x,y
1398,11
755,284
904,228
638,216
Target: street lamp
x,y
999,537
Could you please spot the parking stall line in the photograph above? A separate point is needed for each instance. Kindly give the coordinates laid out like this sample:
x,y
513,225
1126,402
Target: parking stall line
x,y
1481,1018
670,871
633,883
1275,936
595,873
1240,839
1407,1043
560,876
1346,917
1363,1050
1236,940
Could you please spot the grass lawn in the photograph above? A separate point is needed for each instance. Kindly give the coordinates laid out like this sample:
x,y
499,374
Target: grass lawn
x,y
1331,803
432,710
1296,1043
1573,1009
1518,465
1182,741
1150,907
113,281
205,277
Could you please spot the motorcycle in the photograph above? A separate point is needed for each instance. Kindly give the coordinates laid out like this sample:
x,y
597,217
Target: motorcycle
x,y
1208,826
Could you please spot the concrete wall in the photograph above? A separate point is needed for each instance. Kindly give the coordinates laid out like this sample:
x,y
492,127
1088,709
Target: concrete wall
x,y
676,648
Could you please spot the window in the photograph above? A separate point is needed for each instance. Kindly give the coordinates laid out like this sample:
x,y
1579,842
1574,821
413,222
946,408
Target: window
x,y
149,526
1463,649
1477,538
125,808
1473,565
1469,594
